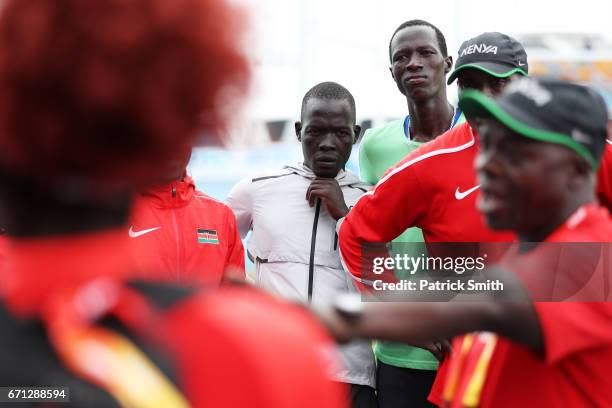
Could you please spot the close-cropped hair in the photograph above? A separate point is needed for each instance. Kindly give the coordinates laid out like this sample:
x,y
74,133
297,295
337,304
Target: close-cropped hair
x,y
329,91
416,23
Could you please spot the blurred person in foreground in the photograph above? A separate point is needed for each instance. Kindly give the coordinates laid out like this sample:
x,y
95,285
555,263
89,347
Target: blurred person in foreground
x,y
292,214
93,96
541,144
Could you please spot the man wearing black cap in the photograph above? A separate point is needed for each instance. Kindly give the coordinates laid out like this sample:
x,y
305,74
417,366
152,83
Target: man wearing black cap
x,y
488,62
541,143
437,179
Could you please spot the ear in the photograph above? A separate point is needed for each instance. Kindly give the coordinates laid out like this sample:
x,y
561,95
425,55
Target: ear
x,y
448,61
357,130
298,130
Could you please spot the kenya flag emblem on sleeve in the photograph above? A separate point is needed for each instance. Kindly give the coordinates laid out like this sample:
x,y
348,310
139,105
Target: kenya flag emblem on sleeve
x,y
207,236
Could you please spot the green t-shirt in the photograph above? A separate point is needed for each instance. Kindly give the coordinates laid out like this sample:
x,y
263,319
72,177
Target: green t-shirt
x,y
381,149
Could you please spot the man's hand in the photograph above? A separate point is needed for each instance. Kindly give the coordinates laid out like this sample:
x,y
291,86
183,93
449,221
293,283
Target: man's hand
x,y
328,190
337,327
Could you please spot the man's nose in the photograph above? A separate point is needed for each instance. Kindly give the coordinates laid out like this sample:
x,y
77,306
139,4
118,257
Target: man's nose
x,y
414,63
328,141
486,164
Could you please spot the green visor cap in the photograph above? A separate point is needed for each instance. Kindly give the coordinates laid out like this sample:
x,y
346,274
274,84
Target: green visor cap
x,y
493,69
520,120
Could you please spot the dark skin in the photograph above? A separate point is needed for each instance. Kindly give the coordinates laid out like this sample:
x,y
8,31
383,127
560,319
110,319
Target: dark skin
x,y
527,186
472,78
419,69
327,132
175,169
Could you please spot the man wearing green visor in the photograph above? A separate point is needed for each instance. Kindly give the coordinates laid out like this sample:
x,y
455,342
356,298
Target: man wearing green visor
x,y
541,143
438,179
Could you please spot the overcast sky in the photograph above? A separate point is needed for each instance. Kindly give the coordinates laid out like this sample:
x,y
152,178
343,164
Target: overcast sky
x,y
298,43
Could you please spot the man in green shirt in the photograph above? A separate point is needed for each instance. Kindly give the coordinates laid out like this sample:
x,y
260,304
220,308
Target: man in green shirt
x,y
419,64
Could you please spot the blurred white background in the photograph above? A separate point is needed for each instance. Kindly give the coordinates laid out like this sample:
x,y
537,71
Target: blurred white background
x,y
295,44
298,43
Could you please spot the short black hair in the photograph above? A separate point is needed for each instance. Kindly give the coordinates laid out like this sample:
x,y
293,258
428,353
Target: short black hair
x,y
329,91
416,23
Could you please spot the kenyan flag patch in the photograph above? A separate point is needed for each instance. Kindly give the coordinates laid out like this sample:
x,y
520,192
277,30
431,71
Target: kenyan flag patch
x,y
207,236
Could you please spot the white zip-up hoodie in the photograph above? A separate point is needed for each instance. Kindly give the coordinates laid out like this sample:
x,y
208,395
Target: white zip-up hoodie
x,y
295,248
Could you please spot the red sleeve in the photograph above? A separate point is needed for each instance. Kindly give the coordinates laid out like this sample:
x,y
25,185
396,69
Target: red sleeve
x,y
604,178
235,255
571,327
394,204
437,389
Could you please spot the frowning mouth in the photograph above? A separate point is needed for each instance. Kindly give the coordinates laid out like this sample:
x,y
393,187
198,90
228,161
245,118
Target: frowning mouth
x,y
326,160
415,79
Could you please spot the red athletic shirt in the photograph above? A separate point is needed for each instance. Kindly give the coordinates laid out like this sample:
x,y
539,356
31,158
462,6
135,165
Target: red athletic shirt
x,y
433,188
574,370
179,234
604,178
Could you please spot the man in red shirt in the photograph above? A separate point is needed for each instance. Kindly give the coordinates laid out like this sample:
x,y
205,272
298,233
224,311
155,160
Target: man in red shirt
x,y
604,177
541,143
179,234
435,187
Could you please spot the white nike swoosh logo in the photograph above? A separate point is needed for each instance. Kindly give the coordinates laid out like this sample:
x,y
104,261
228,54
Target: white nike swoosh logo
x,y
136,234
521,64
460,196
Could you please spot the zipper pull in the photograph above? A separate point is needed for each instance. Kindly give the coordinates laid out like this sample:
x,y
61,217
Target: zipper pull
x,y
173,191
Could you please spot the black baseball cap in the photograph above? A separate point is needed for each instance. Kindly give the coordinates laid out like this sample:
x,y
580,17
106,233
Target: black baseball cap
x,y
548,110
496,54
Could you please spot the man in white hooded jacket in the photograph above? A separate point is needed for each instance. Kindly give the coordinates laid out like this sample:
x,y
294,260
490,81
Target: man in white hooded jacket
x,y
292,214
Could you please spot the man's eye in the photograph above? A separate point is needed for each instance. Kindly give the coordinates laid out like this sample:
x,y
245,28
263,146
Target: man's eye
x,y
510,152
499,84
